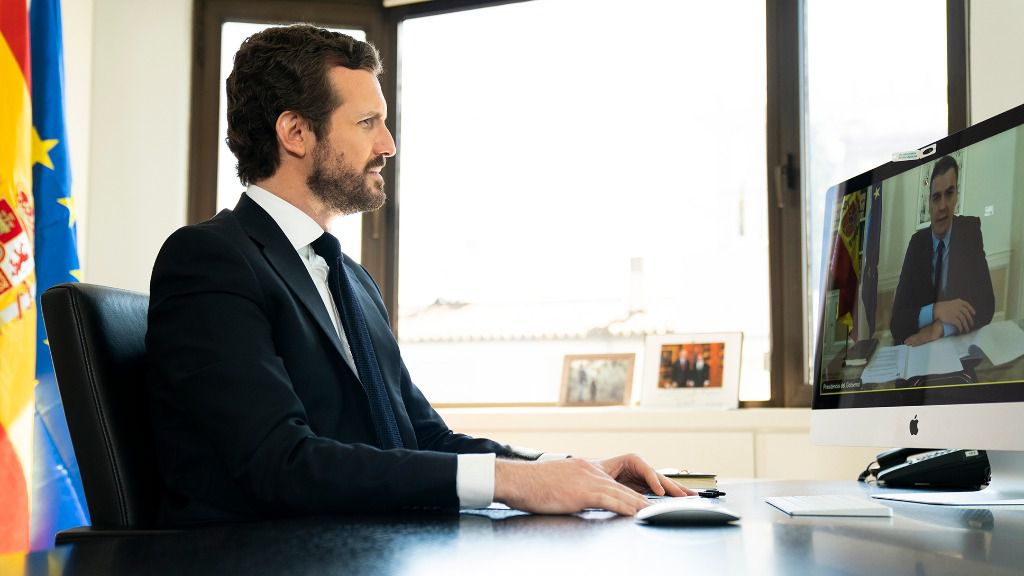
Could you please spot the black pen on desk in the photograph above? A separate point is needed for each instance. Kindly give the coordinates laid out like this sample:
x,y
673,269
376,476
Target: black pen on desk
x,y
713,493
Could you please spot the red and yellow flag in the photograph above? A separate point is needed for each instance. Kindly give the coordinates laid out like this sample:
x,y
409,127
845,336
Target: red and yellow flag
x,y
17,277
846,257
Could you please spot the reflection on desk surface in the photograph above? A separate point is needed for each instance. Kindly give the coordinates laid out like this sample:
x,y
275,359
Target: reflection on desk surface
x,y
917,540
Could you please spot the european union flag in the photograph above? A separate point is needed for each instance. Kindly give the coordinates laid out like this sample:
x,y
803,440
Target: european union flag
x,y
58,499
869,278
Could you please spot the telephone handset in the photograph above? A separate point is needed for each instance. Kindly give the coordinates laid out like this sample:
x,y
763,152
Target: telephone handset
x,y
927,468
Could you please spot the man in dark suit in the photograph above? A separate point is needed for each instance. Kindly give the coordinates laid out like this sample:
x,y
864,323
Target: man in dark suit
x,y
699,373
945,287
680,369
277,387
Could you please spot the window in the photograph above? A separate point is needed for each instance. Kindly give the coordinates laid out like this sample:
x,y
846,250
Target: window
x,y
577,194
575,175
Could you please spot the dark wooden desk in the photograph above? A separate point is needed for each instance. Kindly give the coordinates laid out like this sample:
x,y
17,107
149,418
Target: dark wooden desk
x,y
917,540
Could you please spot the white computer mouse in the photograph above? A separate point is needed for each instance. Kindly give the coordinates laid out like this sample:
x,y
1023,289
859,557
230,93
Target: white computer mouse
x,y
685,512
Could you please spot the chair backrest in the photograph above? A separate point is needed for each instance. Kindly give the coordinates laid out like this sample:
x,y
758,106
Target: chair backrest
x,y
97,341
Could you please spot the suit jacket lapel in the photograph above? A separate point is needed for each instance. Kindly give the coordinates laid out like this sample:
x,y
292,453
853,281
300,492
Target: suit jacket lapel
x,y
286,262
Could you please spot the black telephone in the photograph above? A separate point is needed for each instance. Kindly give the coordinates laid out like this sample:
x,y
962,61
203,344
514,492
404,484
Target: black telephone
x,y
929,468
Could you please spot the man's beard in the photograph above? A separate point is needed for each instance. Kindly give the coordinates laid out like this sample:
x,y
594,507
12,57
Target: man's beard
x,y
340,187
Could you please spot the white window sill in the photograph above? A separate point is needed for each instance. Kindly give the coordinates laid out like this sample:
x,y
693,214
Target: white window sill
x,y
621,418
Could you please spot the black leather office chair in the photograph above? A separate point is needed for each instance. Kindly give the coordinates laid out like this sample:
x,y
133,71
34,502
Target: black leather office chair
x,y
97,341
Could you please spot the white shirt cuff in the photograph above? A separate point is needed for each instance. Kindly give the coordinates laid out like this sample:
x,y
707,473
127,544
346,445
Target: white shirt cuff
x,y
925,316
474,480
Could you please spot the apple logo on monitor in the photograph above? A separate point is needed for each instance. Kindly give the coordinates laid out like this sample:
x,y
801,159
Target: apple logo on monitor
x,y
913,426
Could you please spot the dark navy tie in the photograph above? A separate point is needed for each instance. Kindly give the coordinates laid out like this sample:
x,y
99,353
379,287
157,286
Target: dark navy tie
x,y
938,269
365,358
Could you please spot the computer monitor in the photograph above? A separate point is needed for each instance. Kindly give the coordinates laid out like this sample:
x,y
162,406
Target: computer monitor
x,y
920,344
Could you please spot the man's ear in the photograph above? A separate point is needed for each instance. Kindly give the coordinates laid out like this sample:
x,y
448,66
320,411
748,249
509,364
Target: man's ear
x,y
293,134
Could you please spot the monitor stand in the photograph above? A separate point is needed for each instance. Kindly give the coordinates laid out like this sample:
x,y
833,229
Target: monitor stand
x,y
1005,489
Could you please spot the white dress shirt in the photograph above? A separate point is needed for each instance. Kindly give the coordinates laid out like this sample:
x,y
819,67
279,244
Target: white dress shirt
x,y
474,476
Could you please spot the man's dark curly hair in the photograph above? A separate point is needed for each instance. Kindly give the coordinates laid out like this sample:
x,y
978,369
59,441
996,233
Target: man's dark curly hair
x,y
945,164
285,69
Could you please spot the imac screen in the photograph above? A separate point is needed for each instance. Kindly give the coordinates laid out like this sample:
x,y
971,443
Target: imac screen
x,y
923,290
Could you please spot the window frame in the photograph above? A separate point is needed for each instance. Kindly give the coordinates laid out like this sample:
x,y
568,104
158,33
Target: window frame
x,y
785,25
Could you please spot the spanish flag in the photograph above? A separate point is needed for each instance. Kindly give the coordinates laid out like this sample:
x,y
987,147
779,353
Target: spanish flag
x,y
846,256
17,277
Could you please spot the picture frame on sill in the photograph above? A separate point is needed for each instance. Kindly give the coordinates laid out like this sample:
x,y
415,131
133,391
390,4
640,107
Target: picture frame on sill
x,y
597,379
692,371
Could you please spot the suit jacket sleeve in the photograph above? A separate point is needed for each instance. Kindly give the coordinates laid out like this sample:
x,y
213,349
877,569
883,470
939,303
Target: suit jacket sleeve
x,y
911,292
222,391
971,279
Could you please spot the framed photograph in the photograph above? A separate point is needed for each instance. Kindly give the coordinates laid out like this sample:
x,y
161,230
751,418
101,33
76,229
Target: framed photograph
x,y
692,371
597,379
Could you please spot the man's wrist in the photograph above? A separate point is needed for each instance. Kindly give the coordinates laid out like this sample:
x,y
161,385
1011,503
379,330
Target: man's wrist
x,y
506,478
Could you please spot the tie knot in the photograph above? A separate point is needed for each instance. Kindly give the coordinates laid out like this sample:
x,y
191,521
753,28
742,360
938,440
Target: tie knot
x,y
328,248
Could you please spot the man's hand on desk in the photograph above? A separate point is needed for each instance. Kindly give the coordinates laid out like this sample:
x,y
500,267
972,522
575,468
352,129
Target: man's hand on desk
x,y
957,312
632,471
570,485
925,335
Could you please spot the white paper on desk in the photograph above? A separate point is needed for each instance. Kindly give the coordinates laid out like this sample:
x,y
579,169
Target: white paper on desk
x,y
887,364
965,346
1002,342
901,362
936,357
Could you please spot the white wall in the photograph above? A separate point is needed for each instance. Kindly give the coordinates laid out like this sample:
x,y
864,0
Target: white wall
x,y
751,443
997,77
138,152
78,41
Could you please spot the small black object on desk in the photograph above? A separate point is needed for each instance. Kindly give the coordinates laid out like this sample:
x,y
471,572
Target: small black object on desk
x,y
712,493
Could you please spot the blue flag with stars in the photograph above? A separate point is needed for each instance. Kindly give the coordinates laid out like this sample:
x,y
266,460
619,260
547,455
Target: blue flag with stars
x,y
58,501
869,275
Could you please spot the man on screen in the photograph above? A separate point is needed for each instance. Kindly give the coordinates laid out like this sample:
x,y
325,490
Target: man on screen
x,y
945,287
